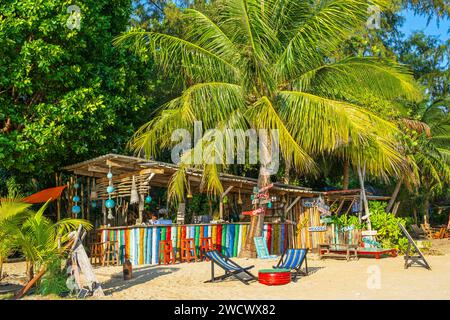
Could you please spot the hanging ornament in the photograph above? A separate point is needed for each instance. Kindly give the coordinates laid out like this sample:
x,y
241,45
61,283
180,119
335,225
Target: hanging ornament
x,y
110,189
225,200
189,195
94,204
252,197
255,189
148,199
110,202
239,198
76,209
269,205
94,195
134,196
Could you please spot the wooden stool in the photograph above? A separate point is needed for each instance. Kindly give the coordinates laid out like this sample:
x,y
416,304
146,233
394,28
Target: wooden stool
x,y
96,248
206,244
166,249
97,253
111,256
188,250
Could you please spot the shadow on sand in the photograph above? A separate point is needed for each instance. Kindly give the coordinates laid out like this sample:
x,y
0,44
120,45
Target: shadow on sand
x,y
141,275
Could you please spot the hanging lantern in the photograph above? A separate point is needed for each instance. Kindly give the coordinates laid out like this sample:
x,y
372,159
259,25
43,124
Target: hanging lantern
x,y
239,198
134,196
94,195
189,195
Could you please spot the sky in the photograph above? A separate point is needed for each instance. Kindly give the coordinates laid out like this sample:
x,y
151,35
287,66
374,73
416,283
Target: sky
x,y
419,23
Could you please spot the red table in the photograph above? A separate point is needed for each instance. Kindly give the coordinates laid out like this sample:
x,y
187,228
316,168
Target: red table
x,y
274,277
377,252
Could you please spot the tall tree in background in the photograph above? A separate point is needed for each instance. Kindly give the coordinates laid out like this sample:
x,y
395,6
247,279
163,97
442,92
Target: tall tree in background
x,y
66,94
266,65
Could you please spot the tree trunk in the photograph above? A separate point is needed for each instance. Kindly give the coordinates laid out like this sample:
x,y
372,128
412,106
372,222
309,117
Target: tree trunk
x,y
394,195
426,209
30,271
346,175
361,175
257,222
287,170
1,268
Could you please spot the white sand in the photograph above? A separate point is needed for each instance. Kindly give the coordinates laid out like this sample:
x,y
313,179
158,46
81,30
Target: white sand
x,y
328,279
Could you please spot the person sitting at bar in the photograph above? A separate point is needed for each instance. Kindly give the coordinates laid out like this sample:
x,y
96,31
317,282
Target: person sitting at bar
x,y
153,219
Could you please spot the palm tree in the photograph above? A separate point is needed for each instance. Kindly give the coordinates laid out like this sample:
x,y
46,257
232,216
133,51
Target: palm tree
x,y
426,148
269,64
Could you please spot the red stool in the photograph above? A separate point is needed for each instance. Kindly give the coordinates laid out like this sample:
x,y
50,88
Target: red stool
x,y
187,252
206,244
166,249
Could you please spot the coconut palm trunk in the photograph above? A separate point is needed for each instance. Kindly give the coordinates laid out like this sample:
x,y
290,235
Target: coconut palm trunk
x,y
394,195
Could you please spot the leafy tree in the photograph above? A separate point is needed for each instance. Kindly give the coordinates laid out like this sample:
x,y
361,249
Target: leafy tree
x,y
267,65
66,94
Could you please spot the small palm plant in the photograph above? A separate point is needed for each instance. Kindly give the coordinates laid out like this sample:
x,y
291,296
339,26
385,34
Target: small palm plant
x,y
35,236
12,212
272,65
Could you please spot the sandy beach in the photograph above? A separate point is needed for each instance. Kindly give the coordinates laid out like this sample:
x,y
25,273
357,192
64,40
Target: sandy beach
x,y
328,279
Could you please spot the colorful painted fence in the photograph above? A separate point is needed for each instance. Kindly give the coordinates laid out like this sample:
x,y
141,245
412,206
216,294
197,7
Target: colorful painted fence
x,y
141,244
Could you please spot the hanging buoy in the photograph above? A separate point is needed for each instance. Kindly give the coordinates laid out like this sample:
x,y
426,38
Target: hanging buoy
x,y
110,203
76,209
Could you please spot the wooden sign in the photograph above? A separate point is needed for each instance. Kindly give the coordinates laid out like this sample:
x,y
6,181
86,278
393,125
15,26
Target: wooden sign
x,y
253,212
324,211
369,232
326,220
349,228
317,229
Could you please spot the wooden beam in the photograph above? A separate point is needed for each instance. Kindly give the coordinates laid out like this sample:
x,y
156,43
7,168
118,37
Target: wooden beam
x,y
81,172
151,170
292,204
97,169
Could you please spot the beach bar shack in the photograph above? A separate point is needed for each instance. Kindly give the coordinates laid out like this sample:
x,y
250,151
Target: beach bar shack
x,y
118,187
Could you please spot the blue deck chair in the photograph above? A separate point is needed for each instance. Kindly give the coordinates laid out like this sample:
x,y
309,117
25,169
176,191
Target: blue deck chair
x,y
232,269
292,259
261,249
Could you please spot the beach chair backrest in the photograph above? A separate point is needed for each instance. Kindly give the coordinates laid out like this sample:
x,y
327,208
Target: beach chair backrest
x,y
293,258
215,256
261,247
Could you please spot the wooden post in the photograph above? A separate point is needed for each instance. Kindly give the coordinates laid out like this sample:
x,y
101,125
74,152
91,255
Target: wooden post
x,y
58,201
291,228
221,201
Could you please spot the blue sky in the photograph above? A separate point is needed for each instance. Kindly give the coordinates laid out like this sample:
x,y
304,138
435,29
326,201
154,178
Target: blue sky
x,y
419,23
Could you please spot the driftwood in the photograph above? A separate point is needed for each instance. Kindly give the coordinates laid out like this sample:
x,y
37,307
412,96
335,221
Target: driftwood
x,y
30,284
